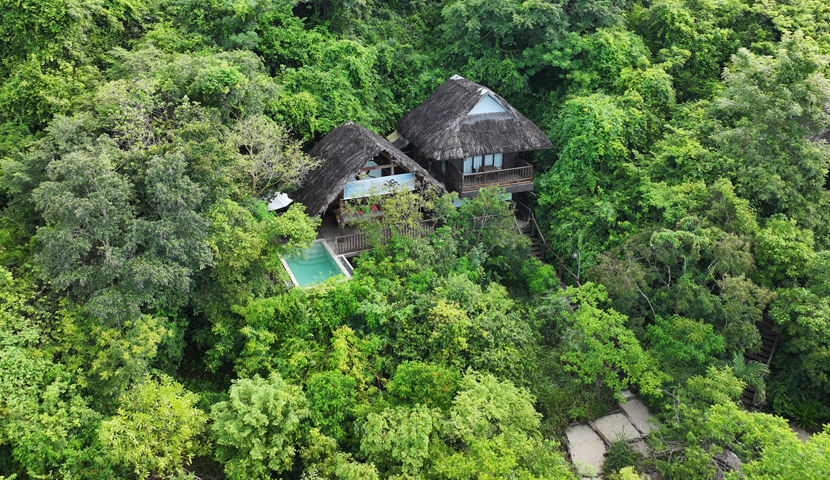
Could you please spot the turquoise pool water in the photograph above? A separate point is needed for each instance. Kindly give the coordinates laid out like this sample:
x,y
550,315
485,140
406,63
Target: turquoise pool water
x,y
318,265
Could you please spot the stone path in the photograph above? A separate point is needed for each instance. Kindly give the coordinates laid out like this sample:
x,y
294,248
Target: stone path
x,y
587,443
802,434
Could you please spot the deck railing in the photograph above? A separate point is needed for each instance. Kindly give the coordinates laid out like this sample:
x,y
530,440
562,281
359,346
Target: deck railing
x,y
502,177
361,242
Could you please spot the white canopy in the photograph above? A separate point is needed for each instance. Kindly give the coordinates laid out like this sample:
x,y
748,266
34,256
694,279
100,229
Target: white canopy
x,y
280,200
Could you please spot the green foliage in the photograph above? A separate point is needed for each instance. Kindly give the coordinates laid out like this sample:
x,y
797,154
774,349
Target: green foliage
x,y
683,347
247,244
752,373
540,277
46,423
108,358
699,267
694,38
784,251
587,198
398,439
772,448
780,168
423,383
802,314
627,473
331,396
561,397
140,142
499,426
619,457
157,430
95,244
256,430
600,350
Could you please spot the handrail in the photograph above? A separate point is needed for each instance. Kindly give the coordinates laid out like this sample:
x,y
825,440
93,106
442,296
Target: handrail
x,y
503,176
531,218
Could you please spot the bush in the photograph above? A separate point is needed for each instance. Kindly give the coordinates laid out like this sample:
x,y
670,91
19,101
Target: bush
x,y
331,396
424,383
620,455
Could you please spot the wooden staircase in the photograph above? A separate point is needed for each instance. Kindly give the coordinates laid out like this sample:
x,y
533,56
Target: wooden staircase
x,y
769,343
527,226
526,229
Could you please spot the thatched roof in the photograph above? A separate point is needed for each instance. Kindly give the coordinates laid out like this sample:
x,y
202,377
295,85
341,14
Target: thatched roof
x,y
344,152
442,127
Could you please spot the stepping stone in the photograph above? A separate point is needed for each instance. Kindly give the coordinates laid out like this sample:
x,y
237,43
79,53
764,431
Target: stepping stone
x,y
800,432
586,446
639,446
640,416
616,427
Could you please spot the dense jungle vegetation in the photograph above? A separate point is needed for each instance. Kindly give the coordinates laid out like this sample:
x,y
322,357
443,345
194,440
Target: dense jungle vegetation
x,y
145,327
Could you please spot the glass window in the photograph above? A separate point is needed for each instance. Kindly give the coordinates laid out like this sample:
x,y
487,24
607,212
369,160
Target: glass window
x,y
498,160
477,162
488,159
487,104
468,165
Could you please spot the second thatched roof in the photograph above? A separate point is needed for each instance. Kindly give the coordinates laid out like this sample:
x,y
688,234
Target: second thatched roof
x,y
444,128
344,152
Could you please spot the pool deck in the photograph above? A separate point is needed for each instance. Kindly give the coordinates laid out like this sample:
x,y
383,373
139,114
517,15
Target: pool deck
x,y
329,230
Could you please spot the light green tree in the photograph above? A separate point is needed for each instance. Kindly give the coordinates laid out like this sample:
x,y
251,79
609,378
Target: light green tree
x,y
600,350
257,429
157,430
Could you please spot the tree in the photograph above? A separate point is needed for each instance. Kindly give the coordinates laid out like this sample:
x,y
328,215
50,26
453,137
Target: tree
x,y
157,430
683,347
399,439
600,350
331,397
247,242
46,423
752,373
268,159
588,198
488,40
772,106
95,246
257,429
423,383
486,222
499,433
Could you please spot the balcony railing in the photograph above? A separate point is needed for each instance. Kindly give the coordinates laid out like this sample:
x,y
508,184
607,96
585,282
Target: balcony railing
x,y
495,177
360,242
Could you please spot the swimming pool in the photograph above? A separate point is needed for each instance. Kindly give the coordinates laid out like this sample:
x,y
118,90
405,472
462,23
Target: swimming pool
x,y
319,263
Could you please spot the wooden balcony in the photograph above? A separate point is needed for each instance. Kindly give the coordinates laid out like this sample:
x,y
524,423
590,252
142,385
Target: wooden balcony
x,y
519,178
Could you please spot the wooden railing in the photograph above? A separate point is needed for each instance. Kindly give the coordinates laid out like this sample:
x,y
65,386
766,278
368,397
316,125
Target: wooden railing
x,y
361,242
503,177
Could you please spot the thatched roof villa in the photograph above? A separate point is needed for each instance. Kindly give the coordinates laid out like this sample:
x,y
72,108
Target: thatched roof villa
x,y
356,162
472,137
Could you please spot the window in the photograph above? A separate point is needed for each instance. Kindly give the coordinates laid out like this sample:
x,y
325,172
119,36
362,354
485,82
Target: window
x,y
498,160
468,165
487,104
488,159
477,162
